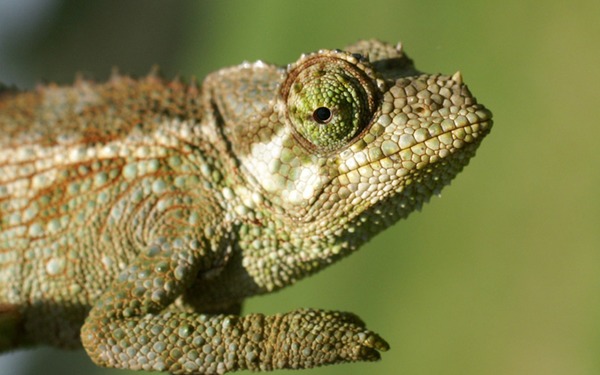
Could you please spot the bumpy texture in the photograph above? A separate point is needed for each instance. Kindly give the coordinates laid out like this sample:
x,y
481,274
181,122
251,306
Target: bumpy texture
x,y
136,215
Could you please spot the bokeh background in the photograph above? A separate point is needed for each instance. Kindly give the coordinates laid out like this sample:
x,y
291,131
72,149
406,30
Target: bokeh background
x,y
501,275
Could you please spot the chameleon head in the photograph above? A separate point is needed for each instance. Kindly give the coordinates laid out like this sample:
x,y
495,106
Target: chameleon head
x,y
353,145
343,139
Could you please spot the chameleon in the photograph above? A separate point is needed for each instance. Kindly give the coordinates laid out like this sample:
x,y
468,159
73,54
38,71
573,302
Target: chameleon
x,y
137,214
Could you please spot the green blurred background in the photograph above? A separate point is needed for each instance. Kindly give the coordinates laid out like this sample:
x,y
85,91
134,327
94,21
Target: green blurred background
x,y
501,276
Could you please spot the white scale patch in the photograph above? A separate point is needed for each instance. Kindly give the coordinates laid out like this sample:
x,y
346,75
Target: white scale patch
x,y
55,266
264,162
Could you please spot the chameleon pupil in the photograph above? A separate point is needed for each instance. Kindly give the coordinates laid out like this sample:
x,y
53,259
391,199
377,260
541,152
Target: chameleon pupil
x,y
322,115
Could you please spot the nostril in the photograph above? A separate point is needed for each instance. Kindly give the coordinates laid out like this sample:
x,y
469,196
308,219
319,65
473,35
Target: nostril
x,y
421,109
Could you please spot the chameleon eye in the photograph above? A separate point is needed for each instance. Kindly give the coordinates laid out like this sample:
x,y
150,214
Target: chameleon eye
x,y
322,115
330,98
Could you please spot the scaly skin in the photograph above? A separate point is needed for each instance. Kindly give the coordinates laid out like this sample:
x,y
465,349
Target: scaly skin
x,y
136,215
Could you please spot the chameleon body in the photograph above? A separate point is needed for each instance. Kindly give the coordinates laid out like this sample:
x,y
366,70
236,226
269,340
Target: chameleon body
x,y
136,215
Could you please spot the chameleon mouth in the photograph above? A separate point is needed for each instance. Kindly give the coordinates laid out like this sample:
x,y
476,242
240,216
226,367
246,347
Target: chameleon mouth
x,y
424,146
428,144
417,164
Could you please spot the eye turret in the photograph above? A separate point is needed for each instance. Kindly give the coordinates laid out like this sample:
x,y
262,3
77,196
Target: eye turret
x,y
331,97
